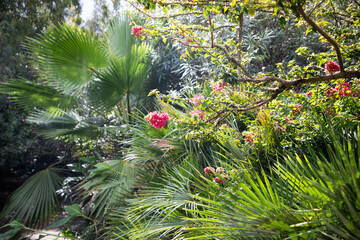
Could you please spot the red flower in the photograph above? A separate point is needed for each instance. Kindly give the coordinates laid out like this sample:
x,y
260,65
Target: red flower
x,y
332,67
136,31
287,119
309,94
219,170
218,86
198,113
341,90
196,99
219,180
157,120
209,170
250,137
296,109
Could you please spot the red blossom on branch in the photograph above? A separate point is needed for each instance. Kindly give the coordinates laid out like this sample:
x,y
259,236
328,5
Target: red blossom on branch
x,y
209,170
309,94
218,86
341,90
198,113
136,31
332,67
197,99
157,120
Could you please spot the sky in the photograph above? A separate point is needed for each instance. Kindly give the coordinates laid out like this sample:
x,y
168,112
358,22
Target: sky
x,y
87,9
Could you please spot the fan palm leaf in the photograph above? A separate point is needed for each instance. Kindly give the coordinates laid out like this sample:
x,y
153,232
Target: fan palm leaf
x,y
119,36
36,204
123,77
67,124
30,95
67,56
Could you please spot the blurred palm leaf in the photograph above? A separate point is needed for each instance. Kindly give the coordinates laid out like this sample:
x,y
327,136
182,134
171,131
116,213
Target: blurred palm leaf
x,y
35,203
67,124
119,36
29,95
66,57
331,182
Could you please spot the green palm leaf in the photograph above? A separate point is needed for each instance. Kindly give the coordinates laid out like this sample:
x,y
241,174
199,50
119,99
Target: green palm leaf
x,y
123,77
67,56
36,201
29,95
119,36
67,124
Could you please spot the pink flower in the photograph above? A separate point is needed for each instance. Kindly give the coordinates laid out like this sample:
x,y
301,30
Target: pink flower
x,y
209,170
250,137
296,109
332,67
218,86
287,119
136,31
309,94
196,99
157,120
220,170
341,90
219,180
198,113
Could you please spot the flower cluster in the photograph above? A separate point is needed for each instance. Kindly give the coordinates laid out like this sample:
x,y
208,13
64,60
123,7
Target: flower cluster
x,y
341,90
296,109
308,94
198,114
210,171
157,120
197,99
218,86
287,119
136,31
250,137
332,67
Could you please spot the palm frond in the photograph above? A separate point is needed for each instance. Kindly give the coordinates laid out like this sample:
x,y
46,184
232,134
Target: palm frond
x,y
119,36
122,77
330,181
67,124
29,95
67,57
36,201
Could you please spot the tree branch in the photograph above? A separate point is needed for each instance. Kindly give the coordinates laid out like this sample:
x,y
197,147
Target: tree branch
x,y
325,35
241,22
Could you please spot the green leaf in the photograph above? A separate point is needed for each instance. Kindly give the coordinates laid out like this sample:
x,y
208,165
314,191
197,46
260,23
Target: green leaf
x,y
67,56
10,234
251,12
60,222
74,210
36,201
282,21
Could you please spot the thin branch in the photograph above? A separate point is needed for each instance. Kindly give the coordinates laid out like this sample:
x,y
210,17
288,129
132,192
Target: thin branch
x,y
291,83
325,35
211,32
315,7
241,22
335,76
165,16
236,62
